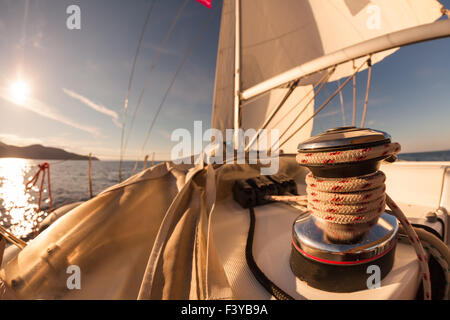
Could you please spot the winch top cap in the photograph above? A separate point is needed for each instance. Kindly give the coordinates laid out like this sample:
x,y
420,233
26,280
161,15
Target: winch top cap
x,y
342,138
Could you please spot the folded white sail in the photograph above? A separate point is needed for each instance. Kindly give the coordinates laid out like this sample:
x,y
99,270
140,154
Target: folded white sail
x,y
277,36
256,112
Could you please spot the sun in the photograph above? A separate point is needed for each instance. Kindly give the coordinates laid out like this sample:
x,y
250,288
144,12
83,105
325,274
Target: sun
x,y
19,91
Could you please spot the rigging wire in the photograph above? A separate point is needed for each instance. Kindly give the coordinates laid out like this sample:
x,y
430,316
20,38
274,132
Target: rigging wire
x,y
323,104
153,65
180,67
354,95
369,64
130,81
274,112
322,82
341,98
325,76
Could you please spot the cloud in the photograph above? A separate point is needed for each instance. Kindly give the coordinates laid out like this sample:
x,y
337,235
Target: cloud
x,y
97,107
166,51
117,123
47,111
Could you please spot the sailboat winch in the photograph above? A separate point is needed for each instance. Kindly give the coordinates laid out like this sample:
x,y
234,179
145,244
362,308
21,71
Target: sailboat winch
x,y
347,230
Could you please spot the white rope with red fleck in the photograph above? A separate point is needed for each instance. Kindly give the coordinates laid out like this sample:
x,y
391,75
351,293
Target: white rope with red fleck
x,y
345,156
353,200
417,244
349,205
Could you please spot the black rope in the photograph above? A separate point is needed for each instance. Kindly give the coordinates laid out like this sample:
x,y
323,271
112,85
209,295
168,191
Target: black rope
x,y
271,287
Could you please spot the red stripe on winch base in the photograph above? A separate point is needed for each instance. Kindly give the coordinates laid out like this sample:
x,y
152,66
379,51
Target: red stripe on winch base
x,y
343,262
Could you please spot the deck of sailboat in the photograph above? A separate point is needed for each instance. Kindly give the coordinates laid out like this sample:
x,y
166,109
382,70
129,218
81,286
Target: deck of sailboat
x,y
419,187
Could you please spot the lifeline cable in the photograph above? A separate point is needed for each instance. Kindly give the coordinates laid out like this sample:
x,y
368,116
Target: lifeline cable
x,y
153,65
177,72
322,82
130,81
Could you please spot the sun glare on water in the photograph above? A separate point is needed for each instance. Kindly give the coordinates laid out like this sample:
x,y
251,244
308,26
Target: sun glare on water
x,y
19,91
18,208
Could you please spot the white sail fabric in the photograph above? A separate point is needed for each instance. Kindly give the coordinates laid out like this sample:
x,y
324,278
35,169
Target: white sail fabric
x,y
255,113
277,36
222,111
342,23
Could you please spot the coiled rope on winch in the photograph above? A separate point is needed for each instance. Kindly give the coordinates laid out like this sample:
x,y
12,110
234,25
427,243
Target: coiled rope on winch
x,y
349,200
346,207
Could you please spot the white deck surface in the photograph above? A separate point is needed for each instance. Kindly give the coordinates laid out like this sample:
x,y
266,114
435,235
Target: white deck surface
x,y
271,249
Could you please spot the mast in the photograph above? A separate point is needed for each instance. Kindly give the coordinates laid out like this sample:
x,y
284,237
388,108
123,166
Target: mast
x,y
237,76
430,31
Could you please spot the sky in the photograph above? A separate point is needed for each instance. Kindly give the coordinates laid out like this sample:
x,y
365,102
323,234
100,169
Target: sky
x,y
78,79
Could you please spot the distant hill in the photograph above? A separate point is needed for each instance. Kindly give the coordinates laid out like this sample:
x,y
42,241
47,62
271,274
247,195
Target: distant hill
x,y
37,151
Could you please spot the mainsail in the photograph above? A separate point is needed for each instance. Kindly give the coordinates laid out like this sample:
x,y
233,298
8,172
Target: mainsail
x,y
276,36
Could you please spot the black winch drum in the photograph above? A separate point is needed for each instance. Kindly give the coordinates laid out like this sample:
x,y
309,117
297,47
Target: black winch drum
x,y
327,264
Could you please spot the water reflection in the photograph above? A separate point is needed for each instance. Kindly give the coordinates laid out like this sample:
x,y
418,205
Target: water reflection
x,y
18,207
